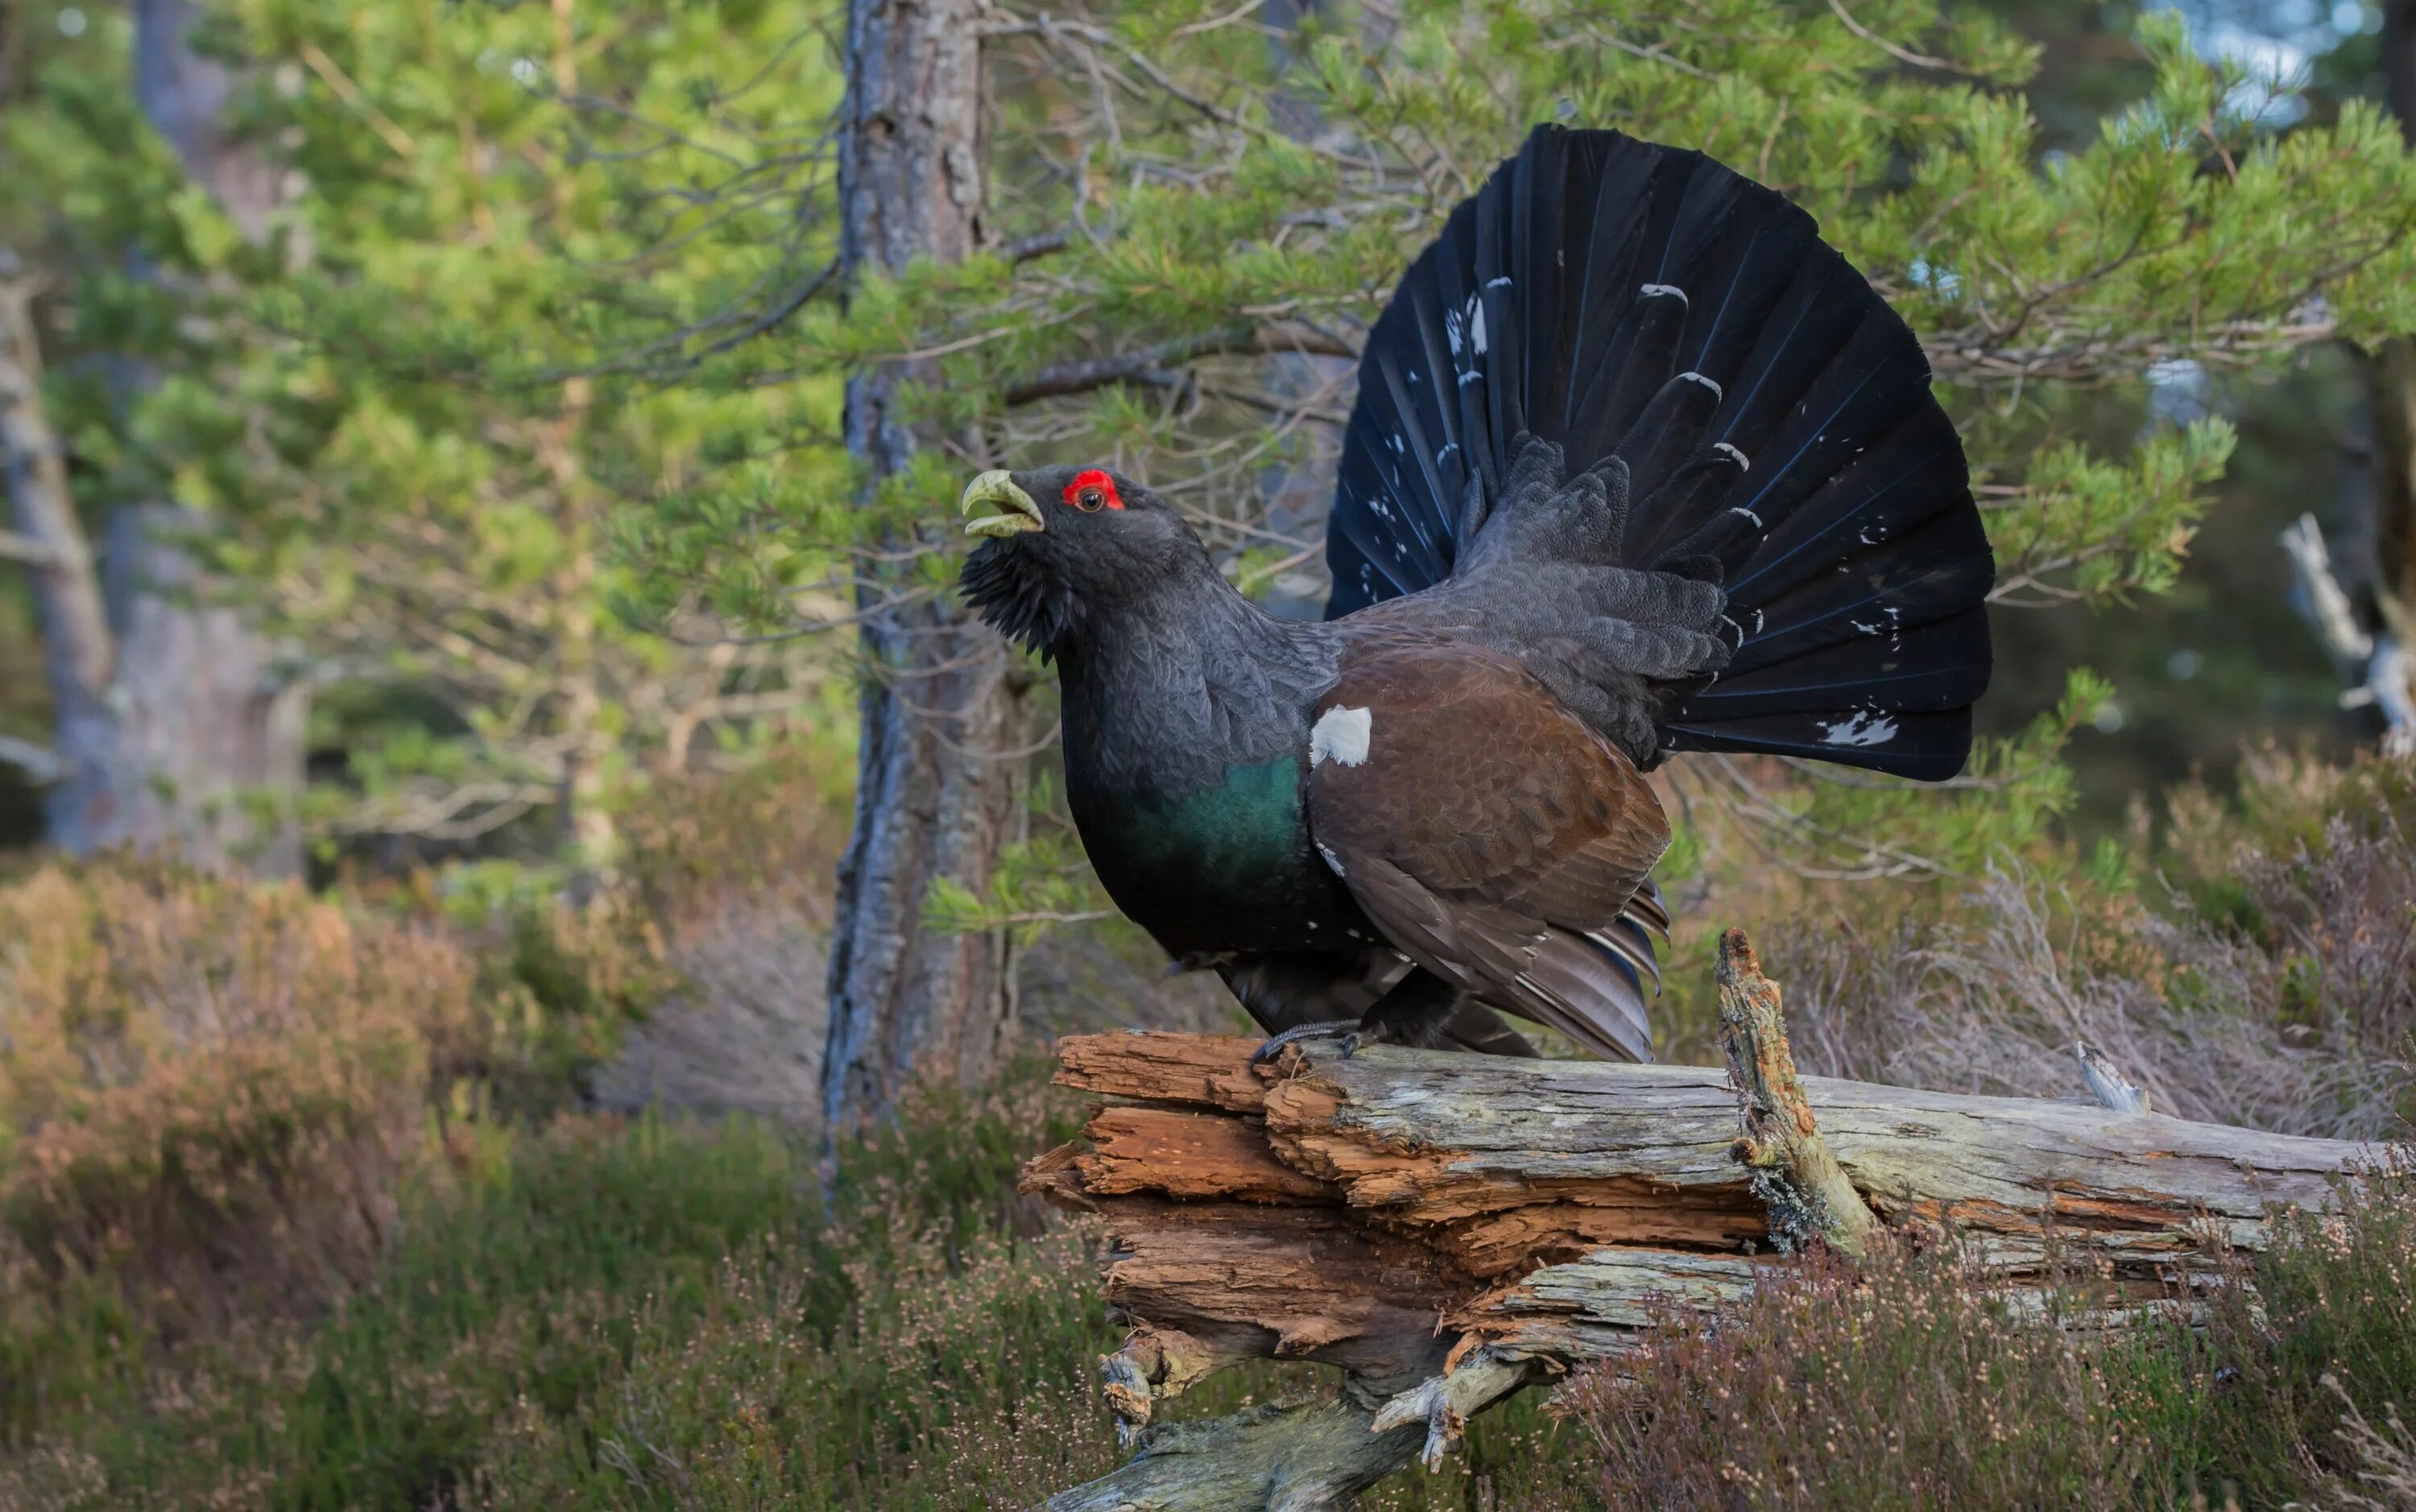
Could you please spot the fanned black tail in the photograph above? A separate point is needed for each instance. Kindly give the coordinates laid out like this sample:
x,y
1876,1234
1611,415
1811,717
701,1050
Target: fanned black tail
x,y
1622,299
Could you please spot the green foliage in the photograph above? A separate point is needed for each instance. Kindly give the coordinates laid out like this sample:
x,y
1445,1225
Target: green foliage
x,y
1039,883
533,390
2135,518
400,411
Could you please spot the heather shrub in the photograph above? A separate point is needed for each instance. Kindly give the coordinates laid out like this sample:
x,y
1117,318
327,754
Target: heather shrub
x,y
1905,1381
208,1090
1910,1379
2263,975
770,831
959,1383
564,984
540,1279
2311,1371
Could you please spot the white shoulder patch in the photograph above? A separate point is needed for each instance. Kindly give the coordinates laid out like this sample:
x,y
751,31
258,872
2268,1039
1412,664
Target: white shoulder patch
x,y
1342,734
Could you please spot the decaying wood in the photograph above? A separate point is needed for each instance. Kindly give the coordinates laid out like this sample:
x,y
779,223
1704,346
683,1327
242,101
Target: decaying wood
x,y
1795,1177
1294,1457
1446,1227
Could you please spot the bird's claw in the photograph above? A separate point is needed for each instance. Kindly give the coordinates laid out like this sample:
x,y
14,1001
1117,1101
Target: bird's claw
x,y
1347,1031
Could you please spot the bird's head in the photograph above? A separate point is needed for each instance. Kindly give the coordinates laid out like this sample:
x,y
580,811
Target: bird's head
x,y
1064,546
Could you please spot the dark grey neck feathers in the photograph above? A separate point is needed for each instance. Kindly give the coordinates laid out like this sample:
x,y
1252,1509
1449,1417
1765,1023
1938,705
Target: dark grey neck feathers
x,y
1166,689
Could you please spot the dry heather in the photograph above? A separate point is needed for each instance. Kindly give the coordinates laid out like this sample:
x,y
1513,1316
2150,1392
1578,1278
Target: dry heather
x,y
207,1088
1907,1381
2275,988
1905,1384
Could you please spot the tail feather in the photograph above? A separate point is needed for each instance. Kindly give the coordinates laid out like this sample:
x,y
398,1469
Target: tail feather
x,y
1646,309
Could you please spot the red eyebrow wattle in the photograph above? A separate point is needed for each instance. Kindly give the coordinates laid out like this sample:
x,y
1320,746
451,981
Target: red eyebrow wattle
x,y
1093,478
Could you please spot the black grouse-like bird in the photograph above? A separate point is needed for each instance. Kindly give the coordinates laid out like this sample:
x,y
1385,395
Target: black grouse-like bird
x,y
1639,465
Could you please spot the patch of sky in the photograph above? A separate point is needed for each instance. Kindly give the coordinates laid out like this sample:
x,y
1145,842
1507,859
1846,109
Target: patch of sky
x,y
1943,282
2273,44
2179,392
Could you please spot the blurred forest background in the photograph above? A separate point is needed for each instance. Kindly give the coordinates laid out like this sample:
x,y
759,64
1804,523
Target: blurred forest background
x,y
527,914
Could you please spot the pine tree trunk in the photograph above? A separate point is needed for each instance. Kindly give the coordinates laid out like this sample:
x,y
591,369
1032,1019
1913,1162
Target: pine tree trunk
x,y
197,712
589,837
938,796
2393,372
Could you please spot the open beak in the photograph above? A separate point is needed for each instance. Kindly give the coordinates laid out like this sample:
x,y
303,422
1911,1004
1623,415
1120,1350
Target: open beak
x,y
1013,511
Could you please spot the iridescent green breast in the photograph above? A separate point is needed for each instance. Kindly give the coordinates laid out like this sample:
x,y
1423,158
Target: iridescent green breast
x,y
1223,867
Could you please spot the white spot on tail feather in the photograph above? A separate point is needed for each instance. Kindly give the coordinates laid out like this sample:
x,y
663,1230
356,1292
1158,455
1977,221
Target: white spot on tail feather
x,y
1865,727
1341,734
1335,861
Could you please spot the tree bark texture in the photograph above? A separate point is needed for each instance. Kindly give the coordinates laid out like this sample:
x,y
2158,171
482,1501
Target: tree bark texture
x,y
181,709
1412,1216
939,793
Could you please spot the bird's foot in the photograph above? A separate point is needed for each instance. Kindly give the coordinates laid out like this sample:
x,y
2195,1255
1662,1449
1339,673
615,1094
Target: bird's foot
x,y
1347,1031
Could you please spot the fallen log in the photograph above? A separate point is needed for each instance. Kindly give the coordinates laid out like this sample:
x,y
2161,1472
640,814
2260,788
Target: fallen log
x,y
1447,1228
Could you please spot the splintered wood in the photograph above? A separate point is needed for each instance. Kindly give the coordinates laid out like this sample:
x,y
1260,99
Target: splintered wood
x,y
1408,1214
1378,1211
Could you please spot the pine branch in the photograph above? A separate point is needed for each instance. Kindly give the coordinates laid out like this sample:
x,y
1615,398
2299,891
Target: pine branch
x,y
1157,366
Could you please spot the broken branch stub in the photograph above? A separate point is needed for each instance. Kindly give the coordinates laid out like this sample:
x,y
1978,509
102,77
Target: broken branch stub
x,y
1795,1175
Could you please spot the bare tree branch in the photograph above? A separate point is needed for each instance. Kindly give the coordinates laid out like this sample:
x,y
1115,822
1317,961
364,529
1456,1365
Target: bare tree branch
x,y
1154,365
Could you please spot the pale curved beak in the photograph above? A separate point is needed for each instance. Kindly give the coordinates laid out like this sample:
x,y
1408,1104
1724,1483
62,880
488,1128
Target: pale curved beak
x,y
1012,510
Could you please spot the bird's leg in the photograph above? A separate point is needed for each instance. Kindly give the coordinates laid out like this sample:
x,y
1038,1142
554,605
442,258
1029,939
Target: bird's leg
x,y
1345,1029
1413,1013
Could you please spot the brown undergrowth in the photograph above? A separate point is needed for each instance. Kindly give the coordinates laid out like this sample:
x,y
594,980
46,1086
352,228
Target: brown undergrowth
x,y
1911,1380
2257,967
208,1091
300,1209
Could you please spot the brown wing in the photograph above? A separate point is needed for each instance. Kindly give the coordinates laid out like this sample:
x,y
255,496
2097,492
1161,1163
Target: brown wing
x,y
1494,838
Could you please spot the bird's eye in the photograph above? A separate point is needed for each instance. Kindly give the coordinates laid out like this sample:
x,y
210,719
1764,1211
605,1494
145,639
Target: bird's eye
x,y
1093,490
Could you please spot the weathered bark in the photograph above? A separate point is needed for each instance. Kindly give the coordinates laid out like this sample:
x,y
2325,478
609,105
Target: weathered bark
x,y
585,830
1410,1216
939,793
178,711
1795,1175
1286,1456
